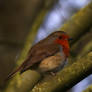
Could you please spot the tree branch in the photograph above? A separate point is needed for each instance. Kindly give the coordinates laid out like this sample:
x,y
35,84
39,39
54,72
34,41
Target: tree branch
x,y
79,23
83,45
89,89
66,78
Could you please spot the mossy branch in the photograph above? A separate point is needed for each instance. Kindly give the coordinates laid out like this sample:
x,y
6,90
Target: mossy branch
x,y
67,78
89,89
83,45
79,23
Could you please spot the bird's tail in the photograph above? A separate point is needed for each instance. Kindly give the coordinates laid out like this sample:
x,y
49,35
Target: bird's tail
x,y
13,73
20,68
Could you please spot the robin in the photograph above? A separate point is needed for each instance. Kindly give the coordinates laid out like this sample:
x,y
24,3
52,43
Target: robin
x,y
49,54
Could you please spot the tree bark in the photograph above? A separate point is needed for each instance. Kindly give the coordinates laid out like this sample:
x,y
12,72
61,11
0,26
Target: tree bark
x,y
66,78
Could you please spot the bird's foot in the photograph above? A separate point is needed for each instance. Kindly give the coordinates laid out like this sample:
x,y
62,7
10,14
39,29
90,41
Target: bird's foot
x,y
53,73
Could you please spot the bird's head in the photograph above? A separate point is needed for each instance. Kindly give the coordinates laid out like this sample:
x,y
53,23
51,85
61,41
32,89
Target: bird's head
x,y
63,40
58,35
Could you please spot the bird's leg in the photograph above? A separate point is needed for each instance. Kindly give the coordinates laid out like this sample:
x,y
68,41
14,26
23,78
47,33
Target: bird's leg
x,y
53,73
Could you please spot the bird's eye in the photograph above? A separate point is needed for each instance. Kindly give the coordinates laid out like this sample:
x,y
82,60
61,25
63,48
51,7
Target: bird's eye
x,y
60,37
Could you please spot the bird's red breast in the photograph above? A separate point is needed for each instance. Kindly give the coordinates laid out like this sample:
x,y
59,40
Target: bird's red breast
x,y
65,44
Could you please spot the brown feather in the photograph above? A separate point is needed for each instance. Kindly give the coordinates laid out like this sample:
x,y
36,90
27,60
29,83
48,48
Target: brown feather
x,y
40,51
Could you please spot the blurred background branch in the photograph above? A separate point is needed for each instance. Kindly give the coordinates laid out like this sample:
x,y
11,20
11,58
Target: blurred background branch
x,y
83,45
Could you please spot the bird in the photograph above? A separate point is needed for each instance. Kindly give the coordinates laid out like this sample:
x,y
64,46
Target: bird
x,y
48,55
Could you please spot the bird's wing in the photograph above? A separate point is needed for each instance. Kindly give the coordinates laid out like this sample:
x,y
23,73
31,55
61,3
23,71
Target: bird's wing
x,y
40,53
36,54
